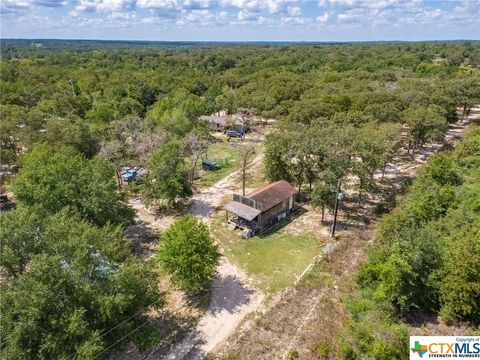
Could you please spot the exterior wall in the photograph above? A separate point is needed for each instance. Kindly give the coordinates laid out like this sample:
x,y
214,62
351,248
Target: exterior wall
x,y
215,126
270,216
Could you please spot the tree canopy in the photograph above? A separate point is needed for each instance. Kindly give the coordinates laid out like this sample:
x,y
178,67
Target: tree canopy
x,y
188,253
167,179
425,258
68,285
55,180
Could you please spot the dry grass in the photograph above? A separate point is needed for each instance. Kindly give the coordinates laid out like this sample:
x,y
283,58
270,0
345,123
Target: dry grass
x,y
274,261
305,318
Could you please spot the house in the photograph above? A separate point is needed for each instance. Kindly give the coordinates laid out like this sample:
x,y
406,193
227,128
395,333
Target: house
x,y
261,209
223,123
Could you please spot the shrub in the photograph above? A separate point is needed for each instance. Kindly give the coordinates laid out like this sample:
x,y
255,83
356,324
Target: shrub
x,y
188,253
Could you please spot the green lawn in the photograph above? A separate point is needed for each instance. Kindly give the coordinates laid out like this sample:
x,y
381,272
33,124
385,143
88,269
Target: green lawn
x,y
274,261
226,156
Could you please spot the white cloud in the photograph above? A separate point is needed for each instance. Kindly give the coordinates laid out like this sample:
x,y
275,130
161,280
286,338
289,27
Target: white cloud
x,y
87,5
294,11
202,17
369,4
156,21
246,5
265,21
244,15
294,20
20,6
272,6
252,15
105,5
322,18
50,3
199,4
116,5
14,6
158,4
353,15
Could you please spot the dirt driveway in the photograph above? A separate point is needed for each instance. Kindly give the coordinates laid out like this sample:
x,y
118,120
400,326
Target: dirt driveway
x,y
304,314
232,297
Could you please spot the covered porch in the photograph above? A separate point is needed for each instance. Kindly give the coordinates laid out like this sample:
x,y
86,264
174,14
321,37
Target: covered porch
x,y
241,216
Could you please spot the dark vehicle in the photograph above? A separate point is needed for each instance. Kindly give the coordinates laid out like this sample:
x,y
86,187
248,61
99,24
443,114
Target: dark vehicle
x,y
233,134
210,165
5,203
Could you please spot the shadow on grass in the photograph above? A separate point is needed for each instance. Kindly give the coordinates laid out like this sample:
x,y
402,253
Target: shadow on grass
x,y
299,211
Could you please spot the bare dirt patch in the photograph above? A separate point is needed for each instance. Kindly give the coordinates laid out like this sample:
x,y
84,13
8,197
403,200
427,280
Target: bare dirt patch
x,y
231,298
302,322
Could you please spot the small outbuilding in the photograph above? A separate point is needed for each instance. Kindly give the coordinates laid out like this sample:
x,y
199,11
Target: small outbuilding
x,y
263,208
224,123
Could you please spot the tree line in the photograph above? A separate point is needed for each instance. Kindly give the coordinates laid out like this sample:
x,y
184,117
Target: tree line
x,y
72,286
425,258
73,116
140,105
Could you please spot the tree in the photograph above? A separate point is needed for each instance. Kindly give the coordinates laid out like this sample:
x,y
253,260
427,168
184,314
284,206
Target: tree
x,y
66,282
188,253
131,140
390,137
277,162
195,146
247,153
460,284
167,176
425,124
115,153
54,180
179,102
175,122
12,120
71,132
324,191
466,93
129,106
370,151
101,112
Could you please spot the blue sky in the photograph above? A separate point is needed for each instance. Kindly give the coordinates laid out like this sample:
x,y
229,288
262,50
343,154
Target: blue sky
x,y
242,20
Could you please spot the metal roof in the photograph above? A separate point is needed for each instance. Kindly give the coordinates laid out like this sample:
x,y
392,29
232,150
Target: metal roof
x,y
273,194
244,211
220,119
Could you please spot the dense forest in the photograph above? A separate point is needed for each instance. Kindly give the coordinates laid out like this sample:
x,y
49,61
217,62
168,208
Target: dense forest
x,y
73,114
425,259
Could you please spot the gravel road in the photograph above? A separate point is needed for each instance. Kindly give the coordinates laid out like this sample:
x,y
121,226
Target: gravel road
x,y
232,298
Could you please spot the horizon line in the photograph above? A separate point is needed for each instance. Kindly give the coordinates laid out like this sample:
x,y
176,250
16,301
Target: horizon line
x,y
243,41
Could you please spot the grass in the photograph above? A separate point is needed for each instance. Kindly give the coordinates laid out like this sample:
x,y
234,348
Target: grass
x,y
274,261
227,158
256,177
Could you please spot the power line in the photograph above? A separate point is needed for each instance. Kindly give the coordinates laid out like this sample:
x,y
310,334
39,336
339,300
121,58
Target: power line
x,y
131,332
110,330
132,316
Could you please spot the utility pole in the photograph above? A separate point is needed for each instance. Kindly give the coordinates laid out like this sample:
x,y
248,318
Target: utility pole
x,y
337,198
